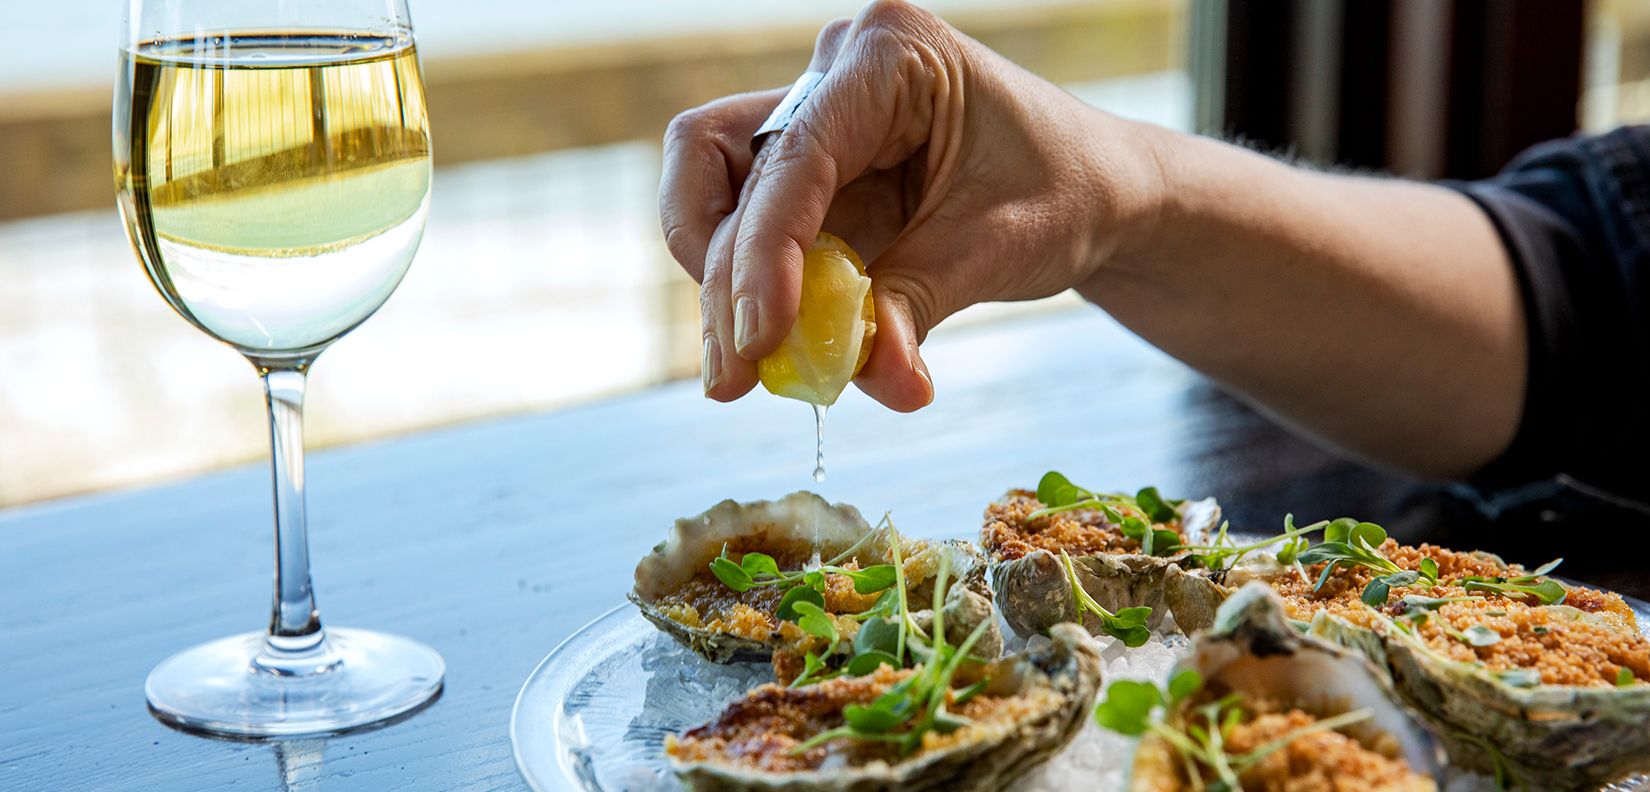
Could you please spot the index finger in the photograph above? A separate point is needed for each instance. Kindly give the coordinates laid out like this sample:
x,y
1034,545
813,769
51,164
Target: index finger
x,y
706,159
869,107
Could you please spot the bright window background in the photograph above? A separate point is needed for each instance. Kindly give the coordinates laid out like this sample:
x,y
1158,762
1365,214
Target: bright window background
x,y
1618,65
542,280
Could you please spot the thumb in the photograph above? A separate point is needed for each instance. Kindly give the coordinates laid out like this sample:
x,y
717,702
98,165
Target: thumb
x,y
895,373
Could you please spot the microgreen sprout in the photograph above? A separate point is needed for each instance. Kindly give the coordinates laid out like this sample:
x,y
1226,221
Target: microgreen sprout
x,y
1624,677
1416,608
1135,516
1201,738
887,620
1350,543
917,702
1127,625
1223,553
1548,592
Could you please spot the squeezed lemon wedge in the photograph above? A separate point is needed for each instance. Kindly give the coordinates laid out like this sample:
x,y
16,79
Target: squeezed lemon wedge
x,y
835,325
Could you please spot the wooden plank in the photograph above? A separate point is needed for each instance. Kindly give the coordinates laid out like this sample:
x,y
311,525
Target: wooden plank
x,y
56,145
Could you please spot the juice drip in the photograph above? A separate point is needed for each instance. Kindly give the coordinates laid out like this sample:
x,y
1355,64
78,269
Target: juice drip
x,y
819,443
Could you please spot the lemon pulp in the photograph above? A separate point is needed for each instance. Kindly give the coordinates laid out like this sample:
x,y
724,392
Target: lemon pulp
x,y
835,325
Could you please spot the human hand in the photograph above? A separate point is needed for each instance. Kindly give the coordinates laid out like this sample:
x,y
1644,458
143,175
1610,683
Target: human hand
x,y
959,177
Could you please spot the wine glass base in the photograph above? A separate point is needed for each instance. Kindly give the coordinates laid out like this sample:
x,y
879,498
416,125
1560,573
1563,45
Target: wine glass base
x,y
222,688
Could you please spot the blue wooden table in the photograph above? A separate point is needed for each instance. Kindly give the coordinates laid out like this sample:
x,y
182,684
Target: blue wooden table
x,y
494,541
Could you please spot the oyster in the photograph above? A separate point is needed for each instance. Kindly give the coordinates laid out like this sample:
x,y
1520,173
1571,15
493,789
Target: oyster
x,y
1033,591
1194,594
1494,716
1556,694
1031,707
1289,680
676,590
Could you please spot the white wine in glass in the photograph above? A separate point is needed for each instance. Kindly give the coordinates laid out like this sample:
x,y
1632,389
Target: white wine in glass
x,y
273,163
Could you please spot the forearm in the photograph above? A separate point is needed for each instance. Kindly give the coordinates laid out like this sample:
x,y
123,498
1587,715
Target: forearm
x,y
1378,314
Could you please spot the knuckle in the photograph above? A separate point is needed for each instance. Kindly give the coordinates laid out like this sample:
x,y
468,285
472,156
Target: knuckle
x,y
921,302
689,126
895,15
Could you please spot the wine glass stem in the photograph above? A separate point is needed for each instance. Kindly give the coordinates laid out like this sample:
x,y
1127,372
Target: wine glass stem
x,y
295,625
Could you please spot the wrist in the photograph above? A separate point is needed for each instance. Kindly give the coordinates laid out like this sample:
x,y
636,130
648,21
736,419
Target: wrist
x,y
1130,227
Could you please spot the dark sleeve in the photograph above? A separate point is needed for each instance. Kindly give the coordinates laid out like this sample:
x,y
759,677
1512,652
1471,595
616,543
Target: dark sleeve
x,y
1575,217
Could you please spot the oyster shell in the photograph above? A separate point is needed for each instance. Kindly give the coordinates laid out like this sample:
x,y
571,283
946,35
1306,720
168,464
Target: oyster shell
x,y
1549,736
804,527
984,757
1193,595
1252,649
1033,592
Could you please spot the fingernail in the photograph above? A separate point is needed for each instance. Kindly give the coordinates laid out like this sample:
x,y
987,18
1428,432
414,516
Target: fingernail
x,y
922,371
712,369
744,322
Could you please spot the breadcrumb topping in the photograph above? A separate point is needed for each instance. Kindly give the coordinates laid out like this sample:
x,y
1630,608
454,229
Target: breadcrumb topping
x,y
1552,641
758,731
1323,761
1008,535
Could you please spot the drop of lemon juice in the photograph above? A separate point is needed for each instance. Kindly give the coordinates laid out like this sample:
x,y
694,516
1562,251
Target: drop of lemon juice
x,y
819,442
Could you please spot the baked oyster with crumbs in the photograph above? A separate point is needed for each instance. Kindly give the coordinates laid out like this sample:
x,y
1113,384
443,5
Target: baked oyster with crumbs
x,y
735,583
1259,707
901,730
1521,675
1120,548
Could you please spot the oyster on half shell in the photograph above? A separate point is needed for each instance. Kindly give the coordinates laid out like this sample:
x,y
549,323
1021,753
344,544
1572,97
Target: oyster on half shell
x,y
1482,694
1033,705
1034,593
1252,649
677,592
1548,736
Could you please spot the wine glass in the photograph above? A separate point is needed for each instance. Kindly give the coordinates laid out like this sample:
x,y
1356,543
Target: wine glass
x,y
273,163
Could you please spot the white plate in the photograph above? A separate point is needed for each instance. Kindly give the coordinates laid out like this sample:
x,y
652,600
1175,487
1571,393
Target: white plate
x,y
594,715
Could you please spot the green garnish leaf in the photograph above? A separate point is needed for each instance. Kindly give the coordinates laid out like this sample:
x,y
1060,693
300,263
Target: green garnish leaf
x,y
1128,706
1520,677
1379,589
759,564
1154,506
866,662
1055,491
971,691
1624,677
787,604
1417,604
1184,684
947,722
1479,635
1548,592
812,665
878,634
813,620
1368,534
873,719
1546,568
814,580
1339,530
1429,570
870,580
732,575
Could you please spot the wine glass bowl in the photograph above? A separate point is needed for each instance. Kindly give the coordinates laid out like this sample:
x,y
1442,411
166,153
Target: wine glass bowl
x,y
273,165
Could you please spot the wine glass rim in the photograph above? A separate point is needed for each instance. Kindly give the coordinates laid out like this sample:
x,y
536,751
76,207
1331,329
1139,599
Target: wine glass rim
x,y
205,47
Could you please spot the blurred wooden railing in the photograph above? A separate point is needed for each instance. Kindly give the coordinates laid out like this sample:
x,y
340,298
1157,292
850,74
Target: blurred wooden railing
x,y
55,153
